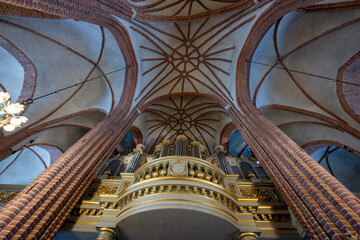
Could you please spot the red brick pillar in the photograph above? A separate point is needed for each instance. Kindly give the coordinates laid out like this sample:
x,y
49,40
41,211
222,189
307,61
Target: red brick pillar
x,y
39,210
322,205
42,206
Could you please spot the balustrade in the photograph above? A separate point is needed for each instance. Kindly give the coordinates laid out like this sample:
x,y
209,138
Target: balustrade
x,y
180,166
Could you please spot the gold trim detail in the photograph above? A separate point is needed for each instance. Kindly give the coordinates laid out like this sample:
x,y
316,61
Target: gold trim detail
x,y
87,212
263,195
166,142
232,187
196,143
105,229
180,200
247,234
193,167
88,202
181,137
190,179
272,217
96,191
7,196
184,189
125,185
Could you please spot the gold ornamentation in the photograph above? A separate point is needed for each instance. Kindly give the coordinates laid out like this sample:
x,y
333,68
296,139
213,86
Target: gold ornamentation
x,y
96,191
272,217
7,196
251,175
166,142
232,187
125,185
181,137
159,168
183,189
108,172
219,148
262,195
247,235
196,143
352,236
87,212
110,230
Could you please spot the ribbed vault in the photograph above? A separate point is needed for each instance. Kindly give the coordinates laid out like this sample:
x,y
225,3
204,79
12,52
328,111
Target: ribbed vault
x,y
298,48
198,118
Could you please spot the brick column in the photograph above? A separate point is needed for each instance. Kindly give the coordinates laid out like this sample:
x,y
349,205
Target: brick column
x,y
39,210
321,204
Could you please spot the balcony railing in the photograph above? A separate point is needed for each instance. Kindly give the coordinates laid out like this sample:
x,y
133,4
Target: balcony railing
x,y
180,166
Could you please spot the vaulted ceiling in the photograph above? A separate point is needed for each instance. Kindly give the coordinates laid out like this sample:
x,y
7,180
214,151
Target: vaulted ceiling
x,y
197,118
187,59
298,49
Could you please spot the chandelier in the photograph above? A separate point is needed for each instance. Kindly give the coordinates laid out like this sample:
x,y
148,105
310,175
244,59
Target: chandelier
x,y
8,111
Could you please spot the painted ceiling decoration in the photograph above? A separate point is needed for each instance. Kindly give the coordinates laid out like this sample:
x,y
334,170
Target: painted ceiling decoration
x,y
197,118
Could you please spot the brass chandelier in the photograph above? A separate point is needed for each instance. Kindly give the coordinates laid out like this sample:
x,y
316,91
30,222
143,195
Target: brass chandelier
x,y
8,113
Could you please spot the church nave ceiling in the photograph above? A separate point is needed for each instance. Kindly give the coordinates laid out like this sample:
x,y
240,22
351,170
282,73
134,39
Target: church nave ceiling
x,y
190,57
171,10
298,48
197,118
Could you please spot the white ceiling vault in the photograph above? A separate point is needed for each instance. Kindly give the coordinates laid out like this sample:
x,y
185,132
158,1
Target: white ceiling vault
x,y
306,107
190,57
187,54
197,118
178,10
42,56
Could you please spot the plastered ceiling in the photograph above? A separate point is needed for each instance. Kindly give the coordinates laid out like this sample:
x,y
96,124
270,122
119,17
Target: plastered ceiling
x,y
308,108
187,53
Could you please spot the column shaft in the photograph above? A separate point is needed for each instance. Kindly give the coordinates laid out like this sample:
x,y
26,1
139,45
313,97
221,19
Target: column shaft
x,y
302,182
40,209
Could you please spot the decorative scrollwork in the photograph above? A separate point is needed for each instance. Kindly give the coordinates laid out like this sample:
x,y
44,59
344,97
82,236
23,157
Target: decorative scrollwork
x,y
96,191
7,196
263,195
232,187
272,217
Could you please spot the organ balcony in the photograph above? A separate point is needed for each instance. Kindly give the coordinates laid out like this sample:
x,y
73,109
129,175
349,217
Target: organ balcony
x,y
179,193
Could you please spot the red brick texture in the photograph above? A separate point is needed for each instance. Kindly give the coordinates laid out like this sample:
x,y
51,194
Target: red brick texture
x,y
323,206
41,208
348,95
